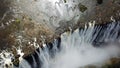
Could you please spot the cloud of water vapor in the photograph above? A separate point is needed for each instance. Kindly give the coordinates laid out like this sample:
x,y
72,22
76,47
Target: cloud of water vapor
x,y
77,49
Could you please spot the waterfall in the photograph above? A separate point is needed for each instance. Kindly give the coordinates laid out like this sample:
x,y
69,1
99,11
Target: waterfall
x,y
91,45
53,13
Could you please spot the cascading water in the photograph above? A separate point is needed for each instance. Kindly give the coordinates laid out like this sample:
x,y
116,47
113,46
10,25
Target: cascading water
x,y
53,13
92,45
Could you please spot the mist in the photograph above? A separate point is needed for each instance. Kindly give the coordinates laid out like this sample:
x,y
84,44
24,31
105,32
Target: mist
x,y
77,49
90,45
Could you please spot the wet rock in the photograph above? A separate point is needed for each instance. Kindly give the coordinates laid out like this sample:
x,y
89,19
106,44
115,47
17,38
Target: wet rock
x,y
112,63
99,1
26,27
82,8
65,1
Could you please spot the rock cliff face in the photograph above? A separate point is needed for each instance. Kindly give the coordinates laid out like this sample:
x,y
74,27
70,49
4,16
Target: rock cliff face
x,y
23,21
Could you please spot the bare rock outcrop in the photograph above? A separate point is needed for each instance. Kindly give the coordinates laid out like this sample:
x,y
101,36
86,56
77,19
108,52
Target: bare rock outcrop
x,y
23,21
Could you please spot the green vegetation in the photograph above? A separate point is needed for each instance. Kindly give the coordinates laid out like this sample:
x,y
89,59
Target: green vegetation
x,y
65,1
82,8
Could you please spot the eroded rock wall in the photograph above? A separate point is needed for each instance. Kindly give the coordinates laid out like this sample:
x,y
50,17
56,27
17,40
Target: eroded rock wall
x,y
21,21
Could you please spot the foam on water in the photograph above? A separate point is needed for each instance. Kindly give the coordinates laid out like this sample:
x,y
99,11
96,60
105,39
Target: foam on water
x,y
75,49
53,12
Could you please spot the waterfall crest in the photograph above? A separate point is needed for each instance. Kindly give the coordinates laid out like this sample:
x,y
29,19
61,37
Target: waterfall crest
x,y
92,45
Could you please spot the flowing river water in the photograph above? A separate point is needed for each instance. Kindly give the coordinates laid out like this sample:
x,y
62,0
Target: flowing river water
x,y
87,45
92,45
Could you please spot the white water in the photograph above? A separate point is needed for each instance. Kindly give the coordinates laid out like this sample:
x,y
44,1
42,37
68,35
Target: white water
x,y
76,49
52,12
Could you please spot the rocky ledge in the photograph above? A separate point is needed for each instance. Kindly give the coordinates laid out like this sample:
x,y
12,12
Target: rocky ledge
x,y
20,29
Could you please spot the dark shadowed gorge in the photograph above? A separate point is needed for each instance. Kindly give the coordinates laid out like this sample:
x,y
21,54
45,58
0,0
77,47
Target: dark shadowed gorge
x,y
53,33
